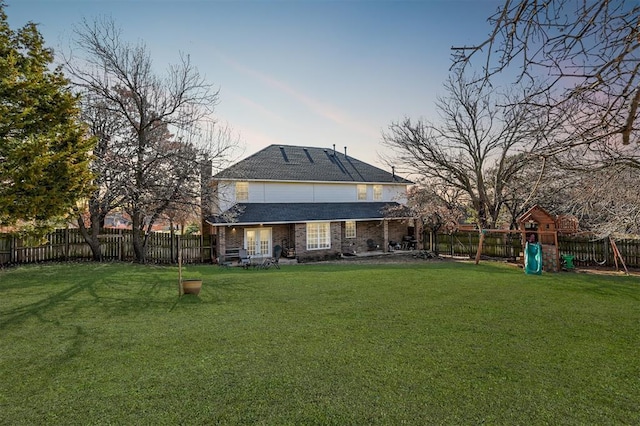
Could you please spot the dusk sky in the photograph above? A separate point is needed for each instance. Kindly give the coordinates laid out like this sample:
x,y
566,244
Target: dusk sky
x,y
310,73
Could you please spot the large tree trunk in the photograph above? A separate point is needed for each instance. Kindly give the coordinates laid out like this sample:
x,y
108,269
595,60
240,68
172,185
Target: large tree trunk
x,y
91,237
98,210
139,239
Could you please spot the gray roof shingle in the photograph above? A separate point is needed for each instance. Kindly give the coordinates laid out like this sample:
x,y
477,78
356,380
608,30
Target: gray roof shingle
x,y
264,213
297,163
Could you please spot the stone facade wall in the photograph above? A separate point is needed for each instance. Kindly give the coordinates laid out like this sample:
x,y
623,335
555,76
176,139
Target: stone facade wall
x,y
550,258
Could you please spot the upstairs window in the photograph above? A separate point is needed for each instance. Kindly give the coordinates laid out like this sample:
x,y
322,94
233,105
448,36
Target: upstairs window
x,y
242,191
362,192
350,229
377,192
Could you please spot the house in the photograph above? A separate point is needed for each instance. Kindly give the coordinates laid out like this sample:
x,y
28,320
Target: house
x,y
314,203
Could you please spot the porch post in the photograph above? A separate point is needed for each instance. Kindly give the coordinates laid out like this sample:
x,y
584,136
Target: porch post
x,y
385,227
222,242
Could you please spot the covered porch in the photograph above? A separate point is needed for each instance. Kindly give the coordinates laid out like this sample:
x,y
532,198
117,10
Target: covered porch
x,y
312,231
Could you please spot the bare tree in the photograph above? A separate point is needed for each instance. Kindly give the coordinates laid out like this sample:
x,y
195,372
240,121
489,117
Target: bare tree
x,y
601,184
606,202
437,209
532,185
108,184
158,151
584,56
477,149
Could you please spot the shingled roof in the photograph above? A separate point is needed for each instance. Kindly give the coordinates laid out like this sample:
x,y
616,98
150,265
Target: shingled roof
x,y
297,163
265,213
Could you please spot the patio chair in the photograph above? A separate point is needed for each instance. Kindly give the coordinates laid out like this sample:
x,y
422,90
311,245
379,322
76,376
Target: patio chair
x,y
244,260
371,245
277,252
261,262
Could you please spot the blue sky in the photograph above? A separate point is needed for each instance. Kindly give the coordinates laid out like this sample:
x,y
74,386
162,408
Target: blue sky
x,y
312,73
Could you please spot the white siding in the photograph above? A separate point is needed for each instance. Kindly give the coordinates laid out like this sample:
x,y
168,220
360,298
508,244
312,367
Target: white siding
x,y
280,192
334,193
306,192
256,192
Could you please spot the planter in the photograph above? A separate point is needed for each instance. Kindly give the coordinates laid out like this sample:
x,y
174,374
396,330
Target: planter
x,y
191,286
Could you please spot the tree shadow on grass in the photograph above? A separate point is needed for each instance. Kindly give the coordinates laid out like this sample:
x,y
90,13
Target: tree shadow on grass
x,y
136,298
37,309
186,300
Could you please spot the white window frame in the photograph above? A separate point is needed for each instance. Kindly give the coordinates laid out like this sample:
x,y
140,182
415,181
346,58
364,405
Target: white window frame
x,y
261,242
242,191
361,191
377,192
318,235
350,229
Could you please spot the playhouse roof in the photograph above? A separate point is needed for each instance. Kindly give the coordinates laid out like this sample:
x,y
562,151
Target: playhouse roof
x,y
537,214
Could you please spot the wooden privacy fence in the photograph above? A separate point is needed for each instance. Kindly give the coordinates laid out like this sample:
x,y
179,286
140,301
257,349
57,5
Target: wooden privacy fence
x,y
465,244
116,244
68,244
587,251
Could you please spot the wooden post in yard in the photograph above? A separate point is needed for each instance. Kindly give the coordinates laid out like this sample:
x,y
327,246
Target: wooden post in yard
x,y
555,241
616,252
179,267
480,243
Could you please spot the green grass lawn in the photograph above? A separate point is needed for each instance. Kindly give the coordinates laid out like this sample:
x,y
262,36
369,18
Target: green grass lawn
x,y
424,343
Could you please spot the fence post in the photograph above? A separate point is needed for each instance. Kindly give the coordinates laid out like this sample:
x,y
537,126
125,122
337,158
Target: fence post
x,y
13,255
451,244
67,243
201,248
120,244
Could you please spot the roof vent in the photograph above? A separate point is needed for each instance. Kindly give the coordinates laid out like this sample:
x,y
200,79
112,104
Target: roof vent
x,y
345,151
331,158
284,154
306,151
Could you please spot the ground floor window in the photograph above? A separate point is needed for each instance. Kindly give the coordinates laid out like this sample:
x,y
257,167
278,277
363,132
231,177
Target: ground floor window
x,y
318,236
350,229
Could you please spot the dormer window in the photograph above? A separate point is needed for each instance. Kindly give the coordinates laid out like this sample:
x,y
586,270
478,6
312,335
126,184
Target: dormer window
x,y
242,191
362,192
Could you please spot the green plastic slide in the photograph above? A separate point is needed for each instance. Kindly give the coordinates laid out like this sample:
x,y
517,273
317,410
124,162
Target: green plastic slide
x,y
533,258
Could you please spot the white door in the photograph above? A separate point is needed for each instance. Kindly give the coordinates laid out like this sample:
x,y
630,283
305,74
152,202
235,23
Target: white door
x,y
258,241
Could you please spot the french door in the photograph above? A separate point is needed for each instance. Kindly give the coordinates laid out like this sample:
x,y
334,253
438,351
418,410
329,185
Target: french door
x,y
258,241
